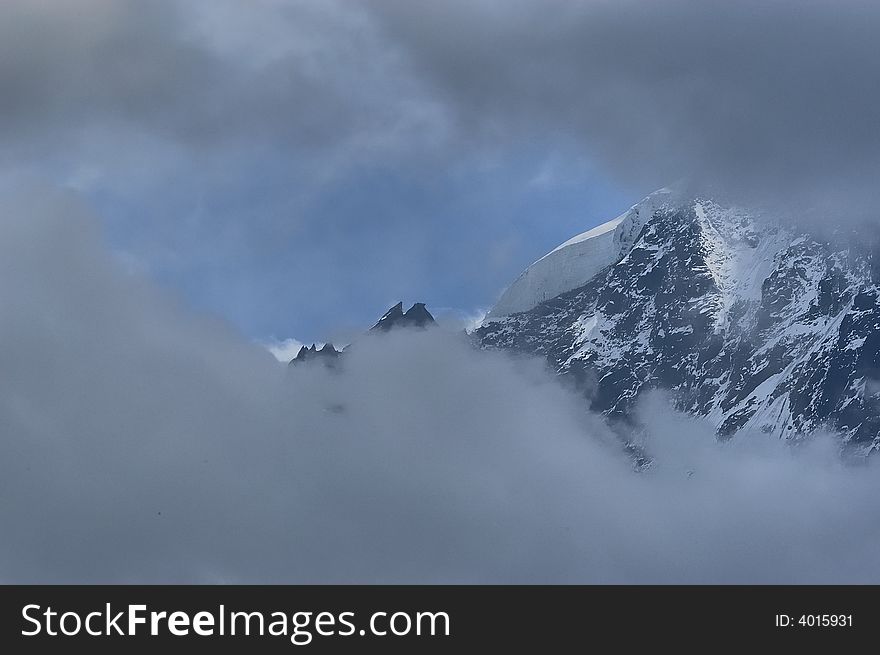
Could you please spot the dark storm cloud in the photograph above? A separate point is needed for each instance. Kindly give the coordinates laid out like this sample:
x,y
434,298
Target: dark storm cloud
x,y
762,99
199,74
766,100
143,443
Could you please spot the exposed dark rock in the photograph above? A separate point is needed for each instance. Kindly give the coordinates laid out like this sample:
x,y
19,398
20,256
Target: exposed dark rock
x,y
327,354
416,316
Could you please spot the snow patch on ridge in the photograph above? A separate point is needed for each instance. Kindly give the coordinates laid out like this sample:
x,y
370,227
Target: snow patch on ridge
x,y
574,262
597,231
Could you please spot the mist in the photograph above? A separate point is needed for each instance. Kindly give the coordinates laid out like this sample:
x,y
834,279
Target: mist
x,y
144,442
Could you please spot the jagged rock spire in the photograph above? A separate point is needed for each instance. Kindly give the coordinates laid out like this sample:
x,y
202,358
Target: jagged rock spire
x,y
415,316
328,353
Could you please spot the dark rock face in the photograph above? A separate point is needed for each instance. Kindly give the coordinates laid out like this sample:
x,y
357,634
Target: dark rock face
x,y
416,316
745,322
327,355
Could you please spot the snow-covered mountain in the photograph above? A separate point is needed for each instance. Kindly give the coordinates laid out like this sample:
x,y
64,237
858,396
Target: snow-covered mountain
x,y
747,322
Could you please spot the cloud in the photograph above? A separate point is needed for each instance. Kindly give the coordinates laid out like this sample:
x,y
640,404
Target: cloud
x,y
246,152
283,350
146,443
761,100
201,75
279,162
249,151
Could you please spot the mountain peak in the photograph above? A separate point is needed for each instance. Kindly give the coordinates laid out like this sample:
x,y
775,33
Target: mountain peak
x,y
416,316
327,354
745,322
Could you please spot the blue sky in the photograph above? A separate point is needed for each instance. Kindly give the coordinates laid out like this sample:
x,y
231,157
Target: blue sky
x,y
280,257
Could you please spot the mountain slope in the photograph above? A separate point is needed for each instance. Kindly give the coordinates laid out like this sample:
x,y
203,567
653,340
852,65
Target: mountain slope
x,y
747,323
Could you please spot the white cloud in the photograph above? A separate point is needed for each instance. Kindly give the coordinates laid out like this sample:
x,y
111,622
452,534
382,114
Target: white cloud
x,y
283,350
474,319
